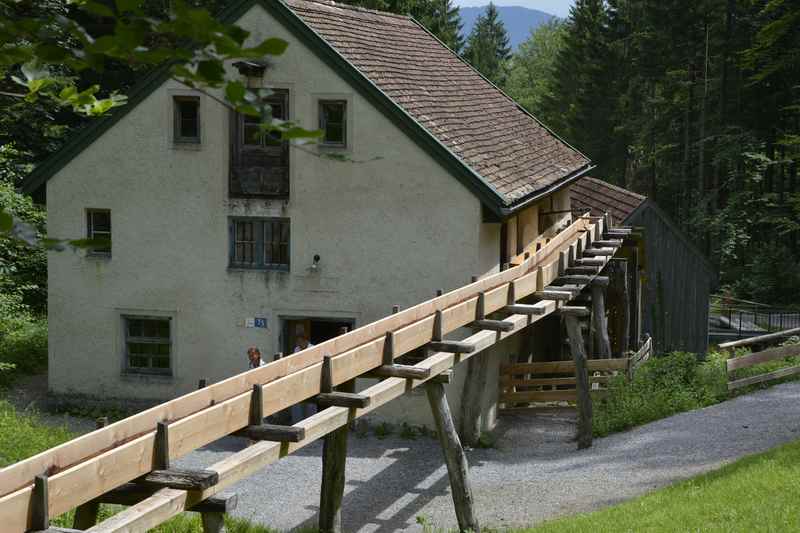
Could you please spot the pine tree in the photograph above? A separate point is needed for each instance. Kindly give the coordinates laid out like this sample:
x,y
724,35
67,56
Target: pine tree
x,y
487,46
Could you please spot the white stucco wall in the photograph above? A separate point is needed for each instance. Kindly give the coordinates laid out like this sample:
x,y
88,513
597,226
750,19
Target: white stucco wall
x,y
389,231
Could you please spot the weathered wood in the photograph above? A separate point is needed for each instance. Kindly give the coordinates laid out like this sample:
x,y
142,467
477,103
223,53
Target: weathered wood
x,y
342,399
257,405
167,502
492,325
444,377
574,278
770,354
575,311
591,261
525,309
40,505
326,375
54,529
272,432
600,320
451,346
161,447
584,400
334,458
563,296
585,269
761,338
472,399
180,478
609,243
781,373
564,367
86,514
600,281
222,407
400,371
212,522
599,252
388,349
133,493
456,460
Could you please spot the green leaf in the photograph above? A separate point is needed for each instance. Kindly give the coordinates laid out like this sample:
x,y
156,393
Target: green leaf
x,y
96,8
212,72
297,132
6,221
273,47
132,6
235,91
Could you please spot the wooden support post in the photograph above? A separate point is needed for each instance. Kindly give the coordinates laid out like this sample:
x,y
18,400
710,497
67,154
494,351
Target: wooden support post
x,y
40,506
257,405
563,261
86,514
161,447
334,458
212,522
201,384
472,399
599,319
584,401
512,293
456,460
437,326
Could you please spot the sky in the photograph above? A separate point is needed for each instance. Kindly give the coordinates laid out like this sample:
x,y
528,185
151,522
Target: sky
x,y
560,8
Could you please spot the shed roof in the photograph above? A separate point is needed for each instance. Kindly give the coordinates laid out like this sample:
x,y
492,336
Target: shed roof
x,y
491,144
601,197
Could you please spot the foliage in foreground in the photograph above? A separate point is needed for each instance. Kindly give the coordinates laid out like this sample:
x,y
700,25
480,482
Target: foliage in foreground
x,y
23,340
23,435
672,384
757,493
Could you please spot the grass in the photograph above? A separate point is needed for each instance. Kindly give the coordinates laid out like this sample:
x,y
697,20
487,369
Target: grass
x,y
757,493
23,435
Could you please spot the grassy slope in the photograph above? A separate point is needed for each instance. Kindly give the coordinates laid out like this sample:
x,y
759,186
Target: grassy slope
x,y
757,493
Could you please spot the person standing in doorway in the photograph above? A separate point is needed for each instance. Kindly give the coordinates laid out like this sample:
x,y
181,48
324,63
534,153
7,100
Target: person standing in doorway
x,y
301,342
254,355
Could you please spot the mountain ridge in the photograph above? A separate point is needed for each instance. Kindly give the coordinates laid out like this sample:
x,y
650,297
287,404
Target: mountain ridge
x,y
519,21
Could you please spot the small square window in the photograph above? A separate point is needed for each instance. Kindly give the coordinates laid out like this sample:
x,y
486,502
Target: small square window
x,y
148,345
260,243
187,119
98,230
333,122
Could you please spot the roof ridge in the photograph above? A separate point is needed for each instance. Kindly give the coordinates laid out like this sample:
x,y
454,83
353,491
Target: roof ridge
x,y
617,187
350,7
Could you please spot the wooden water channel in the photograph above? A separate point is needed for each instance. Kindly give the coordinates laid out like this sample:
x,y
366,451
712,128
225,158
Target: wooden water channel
x,y
128,462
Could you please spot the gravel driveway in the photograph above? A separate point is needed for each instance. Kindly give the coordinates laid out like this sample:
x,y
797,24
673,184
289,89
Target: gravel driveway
x,y
534,473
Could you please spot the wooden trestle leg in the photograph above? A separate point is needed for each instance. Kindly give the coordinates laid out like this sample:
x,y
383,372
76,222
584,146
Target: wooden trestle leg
x,y
584,436
454,457
334,458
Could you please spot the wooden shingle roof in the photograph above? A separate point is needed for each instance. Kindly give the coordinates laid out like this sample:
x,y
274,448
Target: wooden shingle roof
x,y
476,121
599,197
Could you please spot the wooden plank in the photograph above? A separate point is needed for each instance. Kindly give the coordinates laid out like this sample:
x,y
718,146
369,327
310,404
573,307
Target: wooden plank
x,y
492,325
166,503
573,311
451,346
762,338
556,295
770,354
454,457
400,371
180,478
273,432
782,373
133,493
564,367
539,396
525,309
594,252
342,399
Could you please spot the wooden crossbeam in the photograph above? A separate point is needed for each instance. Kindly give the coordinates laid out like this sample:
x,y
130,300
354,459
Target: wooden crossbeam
x,y
608,243
600,281
591,261
557,295
493,325
525,309
586,269
573,311
400,371
133,493
574,278
451,346
342,399
272,432
180,478
444,377
222,408
602,252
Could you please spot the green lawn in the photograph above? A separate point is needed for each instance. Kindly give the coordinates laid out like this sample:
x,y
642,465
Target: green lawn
x,y
757,493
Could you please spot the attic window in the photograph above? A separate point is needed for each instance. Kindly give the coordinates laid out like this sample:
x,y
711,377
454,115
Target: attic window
x,y
333,122
187,119
98,230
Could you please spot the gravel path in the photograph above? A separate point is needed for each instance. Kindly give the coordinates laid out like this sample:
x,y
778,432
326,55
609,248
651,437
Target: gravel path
x,y
29,395
533,474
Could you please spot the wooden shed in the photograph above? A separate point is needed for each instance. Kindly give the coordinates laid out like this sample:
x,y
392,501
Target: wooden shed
x,y
677,279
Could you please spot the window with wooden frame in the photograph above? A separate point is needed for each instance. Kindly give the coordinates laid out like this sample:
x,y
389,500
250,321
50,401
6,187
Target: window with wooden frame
x,y
98,230
186,119
259,243
333,122
259,161
148,345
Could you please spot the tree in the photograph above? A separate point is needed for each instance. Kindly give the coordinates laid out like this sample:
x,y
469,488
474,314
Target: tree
x,y
47,45
440,17
531,74
487,46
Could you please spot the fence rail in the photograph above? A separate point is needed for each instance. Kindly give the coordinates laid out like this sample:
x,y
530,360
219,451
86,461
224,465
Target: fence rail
x,y
764,356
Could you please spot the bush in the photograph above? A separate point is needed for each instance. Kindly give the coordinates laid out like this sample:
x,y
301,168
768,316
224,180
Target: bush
x,y
661,387
23,340
23,435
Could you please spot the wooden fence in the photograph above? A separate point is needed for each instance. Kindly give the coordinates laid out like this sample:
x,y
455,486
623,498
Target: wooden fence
x,y
763,356
139,449
551,381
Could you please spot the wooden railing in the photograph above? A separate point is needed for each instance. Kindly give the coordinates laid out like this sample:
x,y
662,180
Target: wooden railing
x,y
764,356
96,464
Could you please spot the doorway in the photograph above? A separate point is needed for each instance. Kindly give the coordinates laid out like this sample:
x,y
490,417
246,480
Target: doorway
x,y
317,330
